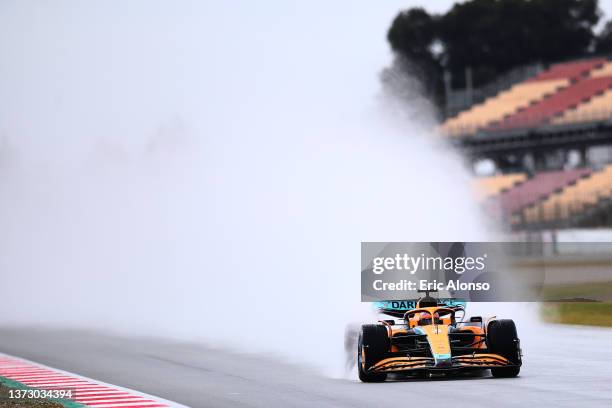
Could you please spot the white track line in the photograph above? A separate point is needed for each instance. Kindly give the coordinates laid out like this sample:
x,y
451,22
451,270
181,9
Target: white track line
x,y
86,391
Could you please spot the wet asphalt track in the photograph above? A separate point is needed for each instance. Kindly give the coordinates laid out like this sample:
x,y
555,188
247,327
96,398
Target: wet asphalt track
x,y
563,367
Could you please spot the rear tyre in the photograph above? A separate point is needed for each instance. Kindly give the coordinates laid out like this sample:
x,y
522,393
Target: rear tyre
x,y
503,340
372,347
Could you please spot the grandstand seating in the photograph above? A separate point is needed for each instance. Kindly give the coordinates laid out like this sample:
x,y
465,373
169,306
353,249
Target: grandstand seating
x,y
573,70
486,187
537,188
572,199
556,104
504,104
597,108
561,94
602,71
566,93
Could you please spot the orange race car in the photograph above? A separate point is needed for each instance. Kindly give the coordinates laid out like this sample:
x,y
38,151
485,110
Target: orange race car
x,y
430,339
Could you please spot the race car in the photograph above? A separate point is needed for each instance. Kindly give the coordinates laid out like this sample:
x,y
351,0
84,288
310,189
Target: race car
x,y
430,339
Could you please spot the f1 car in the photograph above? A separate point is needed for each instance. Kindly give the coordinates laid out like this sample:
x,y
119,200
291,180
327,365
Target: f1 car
x,y
430,339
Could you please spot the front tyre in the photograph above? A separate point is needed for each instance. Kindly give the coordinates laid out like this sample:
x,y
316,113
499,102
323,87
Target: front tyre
x,y
373,344
502,339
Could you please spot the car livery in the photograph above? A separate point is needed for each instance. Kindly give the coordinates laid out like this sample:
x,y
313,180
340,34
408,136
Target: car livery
x,y
429,338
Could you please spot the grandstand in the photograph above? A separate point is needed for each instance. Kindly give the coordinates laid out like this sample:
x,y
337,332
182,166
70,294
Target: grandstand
x,y
488,187
539,187
528,131
504,105
538,100
552,199
569,205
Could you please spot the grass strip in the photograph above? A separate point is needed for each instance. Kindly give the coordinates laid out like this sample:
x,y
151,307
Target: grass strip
x,y
6,384
581,313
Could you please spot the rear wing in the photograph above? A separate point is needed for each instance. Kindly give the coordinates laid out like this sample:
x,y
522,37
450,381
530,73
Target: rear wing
x,y
397,308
